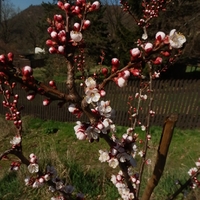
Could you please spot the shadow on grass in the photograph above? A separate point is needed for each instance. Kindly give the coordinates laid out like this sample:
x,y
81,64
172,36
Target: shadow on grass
x,y
93,183
9,186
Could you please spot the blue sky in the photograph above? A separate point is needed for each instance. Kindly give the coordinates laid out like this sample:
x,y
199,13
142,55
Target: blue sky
x,y
23,4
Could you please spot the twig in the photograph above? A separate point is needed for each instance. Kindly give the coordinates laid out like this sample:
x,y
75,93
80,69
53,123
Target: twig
x,y
183,186
141,170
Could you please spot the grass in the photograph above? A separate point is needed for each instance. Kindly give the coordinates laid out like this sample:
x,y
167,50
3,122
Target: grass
x,y
77,161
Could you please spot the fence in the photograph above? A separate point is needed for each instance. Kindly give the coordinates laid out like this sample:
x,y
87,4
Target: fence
x,y
170,96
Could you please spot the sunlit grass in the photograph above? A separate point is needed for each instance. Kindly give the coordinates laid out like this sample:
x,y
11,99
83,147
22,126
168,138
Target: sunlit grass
x,y
77,161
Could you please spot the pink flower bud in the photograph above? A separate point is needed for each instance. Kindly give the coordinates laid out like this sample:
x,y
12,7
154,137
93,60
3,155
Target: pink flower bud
x,y
160,36
67,6
61,49
76,10
114,69
30,96
148,47
2,58
102,93
77,26
61,33
104,71
95,5
27,71
135,52
59,26
52,83
80,2
53,34
53,50
115,62
58,18
60,4
119,177
33,159
86,24
10,56
135,72
125,74
50,42
157,61
46,102
165,53
62,39
49,30
72,108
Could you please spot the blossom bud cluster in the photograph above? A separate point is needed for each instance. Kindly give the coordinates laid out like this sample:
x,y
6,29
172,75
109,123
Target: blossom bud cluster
x,y
122,78
27,76
156,53
144,51
151,10
58,30
15,166
58,35
5,59
85,131
33,166
10,102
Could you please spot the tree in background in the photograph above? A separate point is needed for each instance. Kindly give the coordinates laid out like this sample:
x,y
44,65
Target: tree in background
x,y
7,27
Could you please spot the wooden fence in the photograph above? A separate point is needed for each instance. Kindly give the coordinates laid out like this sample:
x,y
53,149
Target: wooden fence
x,y
170,96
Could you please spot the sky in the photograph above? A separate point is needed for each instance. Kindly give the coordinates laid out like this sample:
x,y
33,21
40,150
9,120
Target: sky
x,y
23,4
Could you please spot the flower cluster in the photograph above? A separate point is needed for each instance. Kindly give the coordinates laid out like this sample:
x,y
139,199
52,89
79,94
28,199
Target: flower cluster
x,y
124,191
15,141
87,131
58,30
91,91
33,166
160,48
124,151
193,173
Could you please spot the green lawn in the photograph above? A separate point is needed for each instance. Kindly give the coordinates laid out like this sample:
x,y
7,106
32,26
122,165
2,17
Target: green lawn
x,y
77,161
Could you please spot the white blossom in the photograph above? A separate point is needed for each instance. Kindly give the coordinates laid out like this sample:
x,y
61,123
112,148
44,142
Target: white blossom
x,y
104,156
113,162
76,36
92,95
16,140
176,40
90,83
192,171
121,82
33,168
104,108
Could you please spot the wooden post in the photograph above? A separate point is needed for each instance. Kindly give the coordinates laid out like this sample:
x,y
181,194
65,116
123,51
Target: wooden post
x,y
162,152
